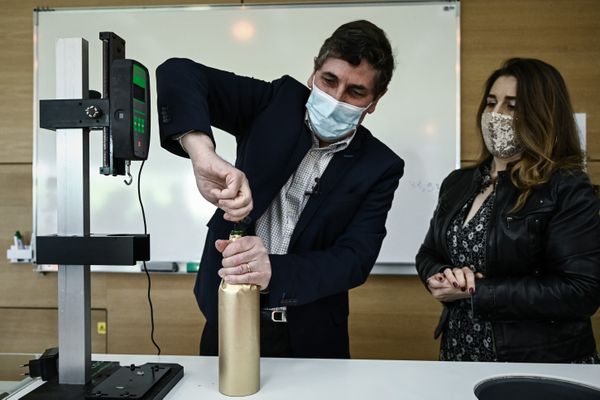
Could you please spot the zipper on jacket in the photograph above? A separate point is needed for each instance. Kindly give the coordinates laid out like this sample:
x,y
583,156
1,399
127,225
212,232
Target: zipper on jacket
x,y
493,212
508,221
493,337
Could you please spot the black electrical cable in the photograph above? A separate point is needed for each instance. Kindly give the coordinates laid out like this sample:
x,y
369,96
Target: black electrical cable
x,y
144,262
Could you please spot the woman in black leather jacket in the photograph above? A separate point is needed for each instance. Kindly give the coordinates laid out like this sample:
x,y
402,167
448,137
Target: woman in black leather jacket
x,y
513,249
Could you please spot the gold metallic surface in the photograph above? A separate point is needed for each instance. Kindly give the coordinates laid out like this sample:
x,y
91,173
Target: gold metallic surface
x,y
239,338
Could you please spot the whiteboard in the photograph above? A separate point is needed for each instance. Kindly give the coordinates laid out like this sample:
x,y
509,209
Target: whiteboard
x,y
417,118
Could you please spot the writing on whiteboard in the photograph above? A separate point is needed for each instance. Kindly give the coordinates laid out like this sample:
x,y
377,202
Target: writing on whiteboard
x,y
425,187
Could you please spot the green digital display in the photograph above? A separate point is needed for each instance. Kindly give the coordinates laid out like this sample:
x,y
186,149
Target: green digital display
x,y
139,76
139,83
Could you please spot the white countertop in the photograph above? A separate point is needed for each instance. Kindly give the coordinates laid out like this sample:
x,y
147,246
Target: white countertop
x,y
287,378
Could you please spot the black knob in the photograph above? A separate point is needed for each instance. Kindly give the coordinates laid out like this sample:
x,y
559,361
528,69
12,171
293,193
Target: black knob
x,y
93,111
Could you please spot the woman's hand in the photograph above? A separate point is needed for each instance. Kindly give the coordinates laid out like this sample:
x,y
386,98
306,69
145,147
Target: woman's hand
x,y
453,284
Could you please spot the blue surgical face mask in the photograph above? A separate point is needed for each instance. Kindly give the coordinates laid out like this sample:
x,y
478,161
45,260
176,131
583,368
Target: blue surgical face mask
x,y
330,119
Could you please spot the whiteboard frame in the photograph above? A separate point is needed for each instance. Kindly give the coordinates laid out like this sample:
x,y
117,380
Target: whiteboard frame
x,y
382,267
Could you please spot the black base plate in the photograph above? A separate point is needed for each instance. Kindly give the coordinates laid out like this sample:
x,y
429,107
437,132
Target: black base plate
x,y
101,371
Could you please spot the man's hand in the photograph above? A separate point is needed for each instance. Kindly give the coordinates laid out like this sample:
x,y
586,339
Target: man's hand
x,y
245,261
453,284
218,181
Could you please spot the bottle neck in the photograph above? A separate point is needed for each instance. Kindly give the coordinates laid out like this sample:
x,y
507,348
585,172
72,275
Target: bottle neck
x,y
236,234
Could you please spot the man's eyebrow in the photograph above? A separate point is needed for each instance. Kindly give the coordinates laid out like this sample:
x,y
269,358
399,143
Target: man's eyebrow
x,y
329,75
332,76
358,87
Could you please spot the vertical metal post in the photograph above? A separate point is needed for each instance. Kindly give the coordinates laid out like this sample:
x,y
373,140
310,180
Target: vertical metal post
x,y
72,181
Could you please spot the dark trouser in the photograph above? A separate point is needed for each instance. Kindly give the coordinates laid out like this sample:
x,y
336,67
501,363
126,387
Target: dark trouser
x,y
274,339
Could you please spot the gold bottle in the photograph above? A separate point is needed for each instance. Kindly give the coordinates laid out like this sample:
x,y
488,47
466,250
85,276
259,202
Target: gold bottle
x,y
239,336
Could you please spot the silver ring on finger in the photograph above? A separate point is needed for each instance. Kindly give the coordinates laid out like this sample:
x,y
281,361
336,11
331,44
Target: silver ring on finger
x,y
248,268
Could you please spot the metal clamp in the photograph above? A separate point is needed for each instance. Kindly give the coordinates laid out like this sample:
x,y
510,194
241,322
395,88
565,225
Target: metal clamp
x,y
74,113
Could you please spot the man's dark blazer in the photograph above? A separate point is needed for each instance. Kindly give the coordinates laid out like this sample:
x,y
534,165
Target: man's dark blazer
x,y
339,234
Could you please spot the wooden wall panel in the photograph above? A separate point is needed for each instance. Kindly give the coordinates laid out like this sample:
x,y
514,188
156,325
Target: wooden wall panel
x,y
594,172
21,286
178,321
561,32
15,203
16,83
393,317
10,366
32,330
596,328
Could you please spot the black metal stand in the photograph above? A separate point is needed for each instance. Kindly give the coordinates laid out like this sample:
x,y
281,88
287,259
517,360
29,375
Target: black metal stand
x,y
74,250
117,249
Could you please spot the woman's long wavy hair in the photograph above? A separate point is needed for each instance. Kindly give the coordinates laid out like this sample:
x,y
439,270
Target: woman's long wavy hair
x,y
543,120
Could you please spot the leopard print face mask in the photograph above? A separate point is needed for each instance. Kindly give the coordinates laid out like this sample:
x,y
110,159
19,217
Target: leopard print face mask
x,y
499,135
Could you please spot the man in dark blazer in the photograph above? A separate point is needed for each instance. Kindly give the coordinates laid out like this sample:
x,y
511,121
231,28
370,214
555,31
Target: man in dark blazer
x,y
314,183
